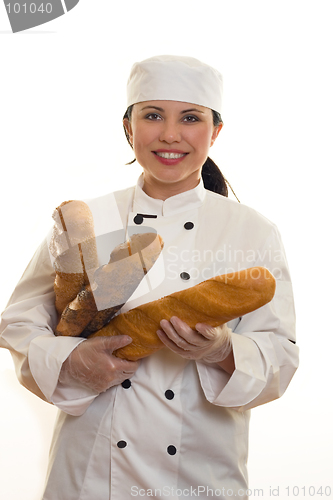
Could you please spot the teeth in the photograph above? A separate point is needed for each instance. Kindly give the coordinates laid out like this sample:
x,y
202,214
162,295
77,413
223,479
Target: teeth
x,y
170,156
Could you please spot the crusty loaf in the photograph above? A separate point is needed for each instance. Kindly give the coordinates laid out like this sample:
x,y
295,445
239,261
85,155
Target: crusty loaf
x,y
214,302
73,247
111,286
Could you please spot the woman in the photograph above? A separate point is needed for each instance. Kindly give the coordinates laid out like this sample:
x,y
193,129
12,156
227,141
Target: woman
x,y
176,423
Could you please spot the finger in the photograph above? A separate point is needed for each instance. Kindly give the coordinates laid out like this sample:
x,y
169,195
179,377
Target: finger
x,y
191,352
174,336
172,345
206,330
115,342
125,365
187,333
180,326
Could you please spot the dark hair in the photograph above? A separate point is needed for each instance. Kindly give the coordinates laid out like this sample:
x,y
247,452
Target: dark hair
x,y
212,176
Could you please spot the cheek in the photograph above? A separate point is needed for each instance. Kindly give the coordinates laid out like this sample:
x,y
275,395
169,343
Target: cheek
x,y
143,136
203,142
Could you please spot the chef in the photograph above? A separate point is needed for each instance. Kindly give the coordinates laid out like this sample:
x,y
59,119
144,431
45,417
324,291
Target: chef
x,y
175,424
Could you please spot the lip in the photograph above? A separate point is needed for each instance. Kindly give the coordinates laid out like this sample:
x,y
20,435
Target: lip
x,y
170,161
177,151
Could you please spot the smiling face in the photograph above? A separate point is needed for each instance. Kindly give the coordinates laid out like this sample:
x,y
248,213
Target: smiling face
x,y
171,140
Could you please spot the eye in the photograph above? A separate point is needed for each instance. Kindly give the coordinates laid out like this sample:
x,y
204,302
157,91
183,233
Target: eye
x,y
153,116
190,119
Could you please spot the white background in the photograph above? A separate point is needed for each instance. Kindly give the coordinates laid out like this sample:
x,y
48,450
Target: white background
x,y
62,97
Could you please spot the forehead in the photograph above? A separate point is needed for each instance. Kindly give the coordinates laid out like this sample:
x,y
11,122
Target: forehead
x,y
172,106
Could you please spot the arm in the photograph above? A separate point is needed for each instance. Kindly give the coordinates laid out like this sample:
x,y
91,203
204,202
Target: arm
x,y
41,358
263,344
228,364
27,332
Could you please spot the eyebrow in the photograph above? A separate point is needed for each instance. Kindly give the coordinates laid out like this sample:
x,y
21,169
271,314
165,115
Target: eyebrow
x,y
182,112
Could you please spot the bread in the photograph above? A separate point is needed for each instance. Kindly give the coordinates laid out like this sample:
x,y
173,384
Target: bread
x,y
73,247
88,296
214,302
111,286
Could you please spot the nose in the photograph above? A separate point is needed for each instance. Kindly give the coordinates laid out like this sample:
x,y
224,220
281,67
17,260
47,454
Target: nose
x,y
170,132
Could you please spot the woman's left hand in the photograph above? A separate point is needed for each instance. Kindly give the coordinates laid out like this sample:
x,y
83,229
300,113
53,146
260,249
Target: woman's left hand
x,y
205,342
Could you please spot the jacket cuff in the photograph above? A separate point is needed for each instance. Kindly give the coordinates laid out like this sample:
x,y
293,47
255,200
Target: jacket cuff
x,y
46,356
244,385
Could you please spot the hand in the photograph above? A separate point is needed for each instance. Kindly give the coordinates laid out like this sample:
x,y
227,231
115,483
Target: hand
x,y
93,364
205,342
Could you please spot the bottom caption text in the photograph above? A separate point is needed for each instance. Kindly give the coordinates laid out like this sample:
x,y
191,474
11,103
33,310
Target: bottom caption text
x,y
207,492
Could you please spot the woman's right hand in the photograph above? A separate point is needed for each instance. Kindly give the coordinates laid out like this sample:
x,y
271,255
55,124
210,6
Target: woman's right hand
x,y
92,363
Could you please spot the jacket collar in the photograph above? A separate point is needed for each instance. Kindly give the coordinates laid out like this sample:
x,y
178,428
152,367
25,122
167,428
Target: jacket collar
x,y
182,202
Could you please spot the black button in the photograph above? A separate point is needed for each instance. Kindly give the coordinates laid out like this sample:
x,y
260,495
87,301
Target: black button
x,y
189,225
138,219
185,276
126,384
172,450
121,444
169,394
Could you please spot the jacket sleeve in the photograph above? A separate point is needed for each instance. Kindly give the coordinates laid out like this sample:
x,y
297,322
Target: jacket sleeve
x,y
26,330
264,344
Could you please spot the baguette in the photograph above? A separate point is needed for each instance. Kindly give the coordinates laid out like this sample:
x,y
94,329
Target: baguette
x,y
73,247
111,286
214,302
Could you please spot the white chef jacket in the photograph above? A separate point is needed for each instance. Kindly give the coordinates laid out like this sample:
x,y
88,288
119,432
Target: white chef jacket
x,y
178,428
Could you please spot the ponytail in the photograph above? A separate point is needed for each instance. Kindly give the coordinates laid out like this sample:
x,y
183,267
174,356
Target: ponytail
x,y
213,178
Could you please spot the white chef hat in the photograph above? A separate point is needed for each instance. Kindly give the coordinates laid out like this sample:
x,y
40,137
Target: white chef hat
x,y
175,78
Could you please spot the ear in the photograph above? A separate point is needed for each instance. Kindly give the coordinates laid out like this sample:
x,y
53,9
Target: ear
x,y
215,133
128,128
